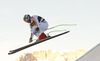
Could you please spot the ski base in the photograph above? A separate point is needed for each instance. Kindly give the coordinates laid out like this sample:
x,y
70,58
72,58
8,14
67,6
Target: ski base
x,y
32,44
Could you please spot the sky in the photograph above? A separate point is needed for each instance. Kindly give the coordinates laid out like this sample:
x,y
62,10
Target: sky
x,y
15,33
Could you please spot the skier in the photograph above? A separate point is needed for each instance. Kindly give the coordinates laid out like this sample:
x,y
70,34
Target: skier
x,y
37,24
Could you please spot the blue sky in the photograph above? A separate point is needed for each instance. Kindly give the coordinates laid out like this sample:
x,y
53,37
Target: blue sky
x,y
15,33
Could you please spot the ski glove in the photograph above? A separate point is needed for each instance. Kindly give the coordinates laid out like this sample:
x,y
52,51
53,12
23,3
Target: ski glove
x,y
30,40
37,29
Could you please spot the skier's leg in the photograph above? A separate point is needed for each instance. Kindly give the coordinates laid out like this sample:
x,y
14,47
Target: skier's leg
x,y
41,34
43,26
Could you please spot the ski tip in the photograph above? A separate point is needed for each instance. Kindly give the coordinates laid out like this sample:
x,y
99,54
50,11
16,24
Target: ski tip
x,y
9,53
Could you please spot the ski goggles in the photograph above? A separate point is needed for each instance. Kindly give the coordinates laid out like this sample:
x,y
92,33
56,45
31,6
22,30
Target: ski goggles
x,y
26,20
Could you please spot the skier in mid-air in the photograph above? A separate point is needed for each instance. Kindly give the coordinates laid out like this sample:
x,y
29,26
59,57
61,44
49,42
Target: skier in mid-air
x,y
37,24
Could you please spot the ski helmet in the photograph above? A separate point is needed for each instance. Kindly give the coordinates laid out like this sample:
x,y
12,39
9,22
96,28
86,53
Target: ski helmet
x,y
27,17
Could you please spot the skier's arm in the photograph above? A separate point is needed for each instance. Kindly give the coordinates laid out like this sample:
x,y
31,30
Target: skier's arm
x,y
30,40
31,35
35,21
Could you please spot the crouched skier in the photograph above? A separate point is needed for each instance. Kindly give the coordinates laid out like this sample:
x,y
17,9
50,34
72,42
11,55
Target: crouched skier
x,y
37,24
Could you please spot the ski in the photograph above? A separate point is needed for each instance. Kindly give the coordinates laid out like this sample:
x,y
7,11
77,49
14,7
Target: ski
x,y
32,44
